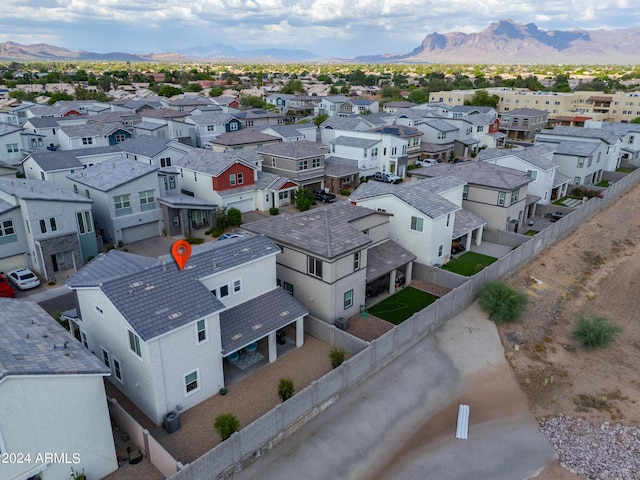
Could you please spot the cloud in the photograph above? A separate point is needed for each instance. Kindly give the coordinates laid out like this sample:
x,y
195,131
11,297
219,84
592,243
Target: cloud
x,y
328,27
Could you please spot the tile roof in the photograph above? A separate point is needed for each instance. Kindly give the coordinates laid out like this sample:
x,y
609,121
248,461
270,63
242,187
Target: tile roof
x,y
212,163
108,266
33,343
397,130
576,148
91,129
39,190
324,231
478,173
465,222
295,150
180,200
421,196
442,125
242,137
253,320
340,167
593,133
56,160
356,142
112,173
44,122
385,257
533,155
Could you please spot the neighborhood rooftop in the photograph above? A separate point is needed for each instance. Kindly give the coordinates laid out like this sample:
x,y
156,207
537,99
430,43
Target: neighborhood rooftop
x,y
109,174
38,190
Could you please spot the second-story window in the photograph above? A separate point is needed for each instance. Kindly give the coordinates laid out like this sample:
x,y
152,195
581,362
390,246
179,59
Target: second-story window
x,y
465,192
134,343
314,266
147,200
232,179
122,204
240,178
87,141
356,261
417,224
303,165
315,162
514,196
501,198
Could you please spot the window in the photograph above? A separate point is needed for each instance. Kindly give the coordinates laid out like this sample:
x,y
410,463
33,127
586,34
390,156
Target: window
x,y
394,150
232,179
465,192
117,371
233,126
12,148
303,165
580,162
86,193
356,261
105,358
240,179
134,343
176,220
191,382
211,128
374,152
576,180
224,291
75,188
120,137
314,266
448,219
283,195
501,197
195,176
85,224
172,182
514,196
288,287
87,141
165,162
532,174
348,299
315,163
440,249
122,204
237,286
83,339
147,200
417,224
201,330
43,226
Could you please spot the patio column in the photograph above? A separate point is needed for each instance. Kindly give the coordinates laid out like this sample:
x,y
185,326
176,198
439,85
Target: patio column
x,y
392,282
273,348
300,332
467,244
479,235
409,272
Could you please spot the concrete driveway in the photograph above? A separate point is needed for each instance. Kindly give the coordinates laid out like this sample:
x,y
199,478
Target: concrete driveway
x,y
400,423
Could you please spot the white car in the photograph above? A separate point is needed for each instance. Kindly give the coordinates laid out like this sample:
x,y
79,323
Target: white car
x,y
23,278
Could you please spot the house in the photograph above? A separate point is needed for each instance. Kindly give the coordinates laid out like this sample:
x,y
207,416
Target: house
x,y
332,106
10,144
426,216
246,139
302,105
539,164
586,154
257,117
42,369
291,133
44,228
89,135
186,103
413,136
211,125
159,152
360,106
125,194
494,193
392,107
523,123
166,123
302,162
629,134
374,151
330,255
280,101
166,332
333,127
47,128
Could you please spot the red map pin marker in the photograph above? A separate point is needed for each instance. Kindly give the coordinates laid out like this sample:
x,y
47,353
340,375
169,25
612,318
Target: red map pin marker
x,y
181,251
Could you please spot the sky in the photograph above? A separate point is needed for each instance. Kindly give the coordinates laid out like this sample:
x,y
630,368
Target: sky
x,y
329,28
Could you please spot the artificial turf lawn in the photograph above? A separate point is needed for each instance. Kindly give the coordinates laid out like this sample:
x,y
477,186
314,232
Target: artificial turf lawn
x,y
401,305
469,263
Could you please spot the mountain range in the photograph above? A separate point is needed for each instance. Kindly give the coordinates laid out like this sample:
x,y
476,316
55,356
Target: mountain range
x,y
505,41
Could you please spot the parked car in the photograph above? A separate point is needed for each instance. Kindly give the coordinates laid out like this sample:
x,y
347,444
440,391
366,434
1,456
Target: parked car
x,y
386,177
226,236
555,216
23,278
323,196
6,290
427,162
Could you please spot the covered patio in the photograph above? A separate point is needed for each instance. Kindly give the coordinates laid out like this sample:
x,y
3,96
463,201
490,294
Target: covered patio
x,y
464,226
389,267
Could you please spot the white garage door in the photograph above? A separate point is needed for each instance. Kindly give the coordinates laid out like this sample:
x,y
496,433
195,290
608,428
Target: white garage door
x,y
139,232
12,263
243,205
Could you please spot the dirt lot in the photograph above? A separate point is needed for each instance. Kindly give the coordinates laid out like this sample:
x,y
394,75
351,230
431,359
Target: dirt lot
x,y
592,270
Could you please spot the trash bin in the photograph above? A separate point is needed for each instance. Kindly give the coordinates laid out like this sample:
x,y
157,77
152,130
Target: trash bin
x,y
281,337
342,323
171,422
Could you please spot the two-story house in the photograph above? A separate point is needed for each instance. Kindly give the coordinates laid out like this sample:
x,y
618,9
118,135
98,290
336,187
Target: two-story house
x,y
90,135
210,125
166,332
330,254
125,194
523,123
291,133
47,128
302,162
426,216
630,137
257,117
280,101
494,193
43,369
43,227
331,105
10,144
374,151
246,139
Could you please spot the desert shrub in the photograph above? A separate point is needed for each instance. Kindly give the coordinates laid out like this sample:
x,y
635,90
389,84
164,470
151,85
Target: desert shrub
x,y
345,191
109,246
594,331
502,303
411,166
195,240
285,389
226,424
234,217
215,231
273,210
336,355
580,192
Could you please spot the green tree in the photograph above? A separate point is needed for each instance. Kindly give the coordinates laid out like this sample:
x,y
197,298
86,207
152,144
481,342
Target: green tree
x,y
169,91
635,120
502,303
285,389
321,117
234,217
252,101
336,355
54,97
216,91
226,424
294,86
304,199
222,218
482,99
193,87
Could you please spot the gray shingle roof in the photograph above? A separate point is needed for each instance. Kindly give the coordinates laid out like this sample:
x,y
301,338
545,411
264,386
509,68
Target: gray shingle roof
x,y
478,173
294,150
324,232
46,122
180,200
285,131
57,160
144,145
110,265
253,320
356,142
421,196
6,206
442,126
525,112
347,123
576,148
6,129
532,155
211,118
39,190
340,167
397,130
32,343
112,173
91,129
211,163
465,222
271,181
243,137
594,133
386,257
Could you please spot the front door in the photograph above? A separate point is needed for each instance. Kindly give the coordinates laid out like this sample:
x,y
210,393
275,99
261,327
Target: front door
x,y
54,260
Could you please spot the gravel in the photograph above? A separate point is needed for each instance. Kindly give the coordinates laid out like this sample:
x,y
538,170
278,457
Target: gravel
x,y
603,452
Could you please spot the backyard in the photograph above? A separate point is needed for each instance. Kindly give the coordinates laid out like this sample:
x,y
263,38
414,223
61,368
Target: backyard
x,y
401,305
469,263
